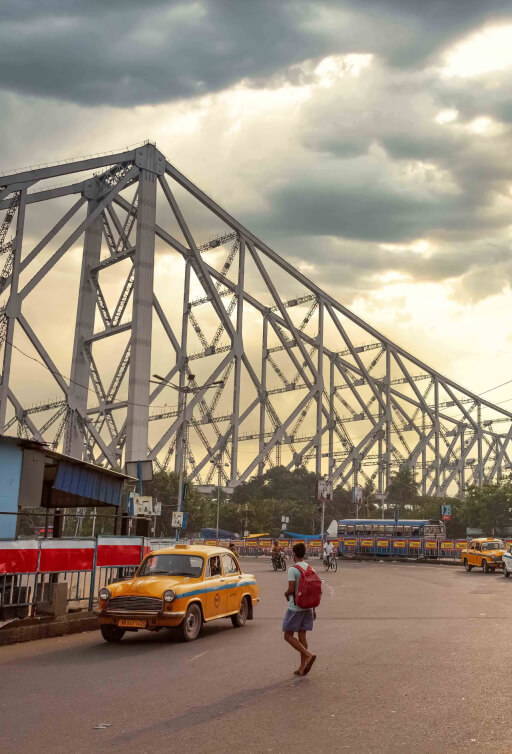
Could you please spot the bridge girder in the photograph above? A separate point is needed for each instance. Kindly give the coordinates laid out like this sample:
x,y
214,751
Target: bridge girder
x,y
290,356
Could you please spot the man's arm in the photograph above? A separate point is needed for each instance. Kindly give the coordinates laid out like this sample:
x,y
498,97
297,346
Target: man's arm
x,y
291,590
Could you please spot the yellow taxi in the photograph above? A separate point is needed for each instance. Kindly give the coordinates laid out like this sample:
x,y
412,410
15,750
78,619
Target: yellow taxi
x,y
485,553
180,588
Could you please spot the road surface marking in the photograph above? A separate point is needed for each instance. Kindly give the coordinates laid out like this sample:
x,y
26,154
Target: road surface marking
x,y
196,657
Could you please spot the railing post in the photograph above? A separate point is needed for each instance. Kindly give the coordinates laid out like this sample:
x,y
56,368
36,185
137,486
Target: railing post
x,y
34,601
93,575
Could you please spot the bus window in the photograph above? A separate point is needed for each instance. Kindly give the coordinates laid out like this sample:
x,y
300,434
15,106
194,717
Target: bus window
x,y
342,529
415,531
389,530
359,528
350,529
399,529
407,531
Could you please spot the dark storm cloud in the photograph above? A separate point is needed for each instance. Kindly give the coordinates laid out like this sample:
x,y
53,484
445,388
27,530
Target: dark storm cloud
x,y
124,52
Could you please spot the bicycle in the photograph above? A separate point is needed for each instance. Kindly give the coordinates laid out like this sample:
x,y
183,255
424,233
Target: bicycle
x,y
331,563
279,562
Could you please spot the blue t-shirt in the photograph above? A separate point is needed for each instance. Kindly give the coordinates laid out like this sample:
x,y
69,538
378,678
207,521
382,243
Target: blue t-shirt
x,y
294,575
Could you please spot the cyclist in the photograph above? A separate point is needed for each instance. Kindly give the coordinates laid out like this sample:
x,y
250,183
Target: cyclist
x,y
276,552
328,551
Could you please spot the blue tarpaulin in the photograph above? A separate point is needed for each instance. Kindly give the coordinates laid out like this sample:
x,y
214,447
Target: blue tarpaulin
x,y
86,486
306,537
223,534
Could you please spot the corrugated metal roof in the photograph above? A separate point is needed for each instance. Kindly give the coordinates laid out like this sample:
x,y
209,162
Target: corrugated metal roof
x,y
88,483
43,447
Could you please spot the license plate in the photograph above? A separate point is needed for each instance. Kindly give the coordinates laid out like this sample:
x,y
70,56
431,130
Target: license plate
x,y
131,623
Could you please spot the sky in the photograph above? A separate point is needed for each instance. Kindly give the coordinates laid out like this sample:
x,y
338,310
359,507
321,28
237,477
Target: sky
x,y
368,142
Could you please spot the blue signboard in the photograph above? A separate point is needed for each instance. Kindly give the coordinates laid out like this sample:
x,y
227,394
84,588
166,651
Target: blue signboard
x,y
446,512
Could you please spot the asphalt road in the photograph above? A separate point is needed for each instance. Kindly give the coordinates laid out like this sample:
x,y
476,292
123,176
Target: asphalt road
x,y
411,658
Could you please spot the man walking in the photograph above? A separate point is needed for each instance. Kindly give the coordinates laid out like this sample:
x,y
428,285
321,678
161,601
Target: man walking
x,y
297,619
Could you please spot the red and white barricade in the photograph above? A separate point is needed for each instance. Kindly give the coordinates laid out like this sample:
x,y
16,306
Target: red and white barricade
x,y
19,556
120,551
66,555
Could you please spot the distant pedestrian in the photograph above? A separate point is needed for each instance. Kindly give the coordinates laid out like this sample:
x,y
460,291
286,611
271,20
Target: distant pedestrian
x,y
233,550
299,619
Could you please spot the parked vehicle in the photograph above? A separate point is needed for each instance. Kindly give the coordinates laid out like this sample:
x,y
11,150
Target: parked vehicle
x,y
181,588
484,553
507,562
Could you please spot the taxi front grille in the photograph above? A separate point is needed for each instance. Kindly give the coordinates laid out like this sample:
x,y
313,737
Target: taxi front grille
x,y
136,604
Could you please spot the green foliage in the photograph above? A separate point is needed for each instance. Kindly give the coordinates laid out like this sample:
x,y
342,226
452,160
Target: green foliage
x,y
488,507
164,488
426,506
279,483
402,488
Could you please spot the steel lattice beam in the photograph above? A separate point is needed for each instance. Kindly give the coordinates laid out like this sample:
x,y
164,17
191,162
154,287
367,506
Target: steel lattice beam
x,y
301,382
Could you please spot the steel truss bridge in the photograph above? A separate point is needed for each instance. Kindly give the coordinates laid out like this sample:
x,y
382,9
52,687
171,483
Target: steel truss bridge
x,y
164,279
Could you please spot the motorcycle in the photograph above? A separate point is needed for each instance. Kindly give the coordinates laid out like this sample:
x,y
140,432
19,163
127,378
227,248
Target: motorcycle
x,y
279,562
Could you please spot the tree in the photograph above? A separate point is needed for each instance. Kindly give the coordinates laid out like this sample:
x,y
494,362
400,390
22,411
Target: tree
x,y
279,483
402,488
429,507
164,488
488,507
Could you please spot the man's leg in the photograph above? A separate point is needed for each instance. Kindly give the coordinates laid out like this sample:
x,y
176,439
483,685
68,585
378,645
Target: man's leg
x,y
302,639
305,656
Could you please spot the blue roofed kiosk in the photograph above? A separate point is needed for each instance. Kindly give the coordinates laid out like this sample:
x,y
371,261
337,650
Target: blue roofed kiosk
x,y
33,476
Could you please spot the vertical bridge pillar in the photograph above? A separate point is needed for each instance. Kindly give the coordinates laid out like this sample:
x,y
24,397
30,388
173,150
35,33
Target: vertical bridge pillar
x,y
151,163
84,328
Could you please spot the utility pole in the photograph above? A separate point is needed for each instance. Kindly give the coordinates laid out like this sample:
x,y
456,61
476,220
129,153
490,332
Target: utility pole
x,y
184,424
219,469
183,464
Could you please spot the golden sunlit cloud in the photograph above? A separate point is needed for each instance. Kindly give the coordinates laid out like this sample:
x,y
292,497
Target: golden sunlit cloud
x,y
446,116
488,50
420,246
334,67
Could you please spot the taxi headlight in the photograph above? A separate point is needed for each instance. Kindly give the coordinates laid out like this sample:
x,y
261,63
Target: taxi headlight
x,y
104,594
169,596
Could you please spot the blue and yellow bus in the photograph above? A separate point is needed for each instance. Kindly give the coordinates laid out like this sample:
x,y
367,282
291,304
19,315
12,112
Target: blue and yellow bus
x,y
385,536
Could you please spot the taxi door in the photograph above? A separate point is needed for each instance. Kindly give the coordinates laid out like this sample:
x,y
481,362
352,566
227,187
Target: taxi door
x,y
233,577
476,554
217,594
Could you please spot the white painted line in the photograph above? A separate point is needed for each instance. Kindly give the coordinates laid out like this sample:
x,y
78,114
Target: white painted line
x,y
196,657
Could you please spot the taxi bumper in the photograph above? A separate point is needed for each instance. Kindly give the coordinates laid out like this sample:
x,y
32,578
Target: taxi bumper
x,y
151,619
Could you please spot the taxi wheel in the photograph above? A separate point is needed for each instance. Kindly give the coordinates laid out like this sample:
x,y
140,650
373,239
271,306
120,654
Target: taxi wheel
x,y
467,566
112,633
191,625
240,619
485,566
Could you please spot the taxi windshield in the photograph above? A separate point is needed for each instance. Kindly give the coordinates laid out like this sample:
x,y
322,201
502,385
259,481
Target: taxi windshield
x,y
172,565
492,545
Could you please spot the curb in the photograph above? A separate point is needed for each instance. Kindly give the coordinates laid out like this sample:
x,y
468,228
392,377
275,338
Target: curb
x,y
68,624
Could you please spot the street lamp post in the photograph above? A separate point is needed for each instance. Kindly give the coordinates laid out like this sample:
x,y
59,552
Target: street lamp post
x,y
185,391
219,465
